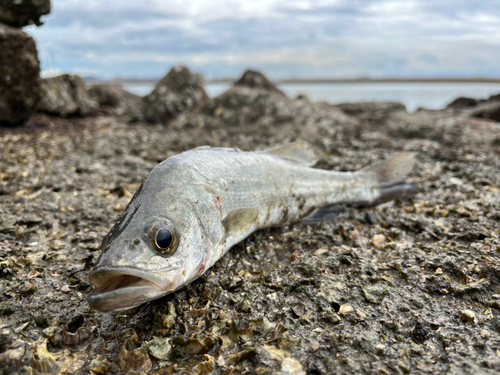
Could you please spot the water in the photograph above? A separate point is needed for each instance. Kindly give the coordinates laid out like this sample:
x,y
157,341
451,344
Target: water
x,y
432,95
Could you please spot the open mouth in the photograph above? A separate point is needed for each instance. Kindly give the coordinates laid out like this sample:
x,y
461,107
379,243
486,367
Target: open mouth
x,y
123,289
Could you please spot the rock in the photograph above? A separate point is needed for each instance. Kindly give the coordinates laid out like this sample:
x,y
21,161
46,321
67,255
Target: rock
x,y
178,92
20,13
66,95
257,80
372,113
489,110
462,102
19,76
468,315
115,101
494,98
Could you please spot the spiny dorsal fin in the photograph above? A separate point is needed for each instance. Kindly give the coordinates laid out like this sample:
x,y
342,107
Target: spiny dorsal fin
x,y
300,152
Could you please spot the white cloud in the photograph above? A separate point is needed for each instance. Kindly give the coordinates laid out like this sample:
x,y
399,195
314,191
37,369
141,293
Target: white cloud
x,y
294,37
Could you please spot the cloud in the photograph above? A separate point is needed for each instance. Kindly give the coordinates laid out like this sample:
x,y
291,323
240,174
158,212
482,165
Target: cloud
x,y
342,38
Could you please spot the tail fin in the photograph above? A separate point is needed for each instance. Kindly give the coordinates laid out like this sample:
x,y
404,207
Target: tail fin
x,y
391,174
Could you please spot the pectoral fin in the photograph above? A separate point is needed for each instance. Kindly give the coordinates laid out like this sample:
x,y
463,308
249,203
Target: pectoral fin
x,y
240,221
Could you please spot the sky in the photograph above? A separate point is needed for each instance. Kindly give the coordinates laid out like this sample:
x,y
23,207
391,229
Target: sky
x,y
282,38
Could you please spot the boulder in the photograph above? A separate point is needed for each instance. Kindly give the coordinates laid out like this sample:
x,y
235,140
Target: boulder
x,y
178,92
257,80
66,95
113,100
462,102
489,110
20,13
371,113
19,76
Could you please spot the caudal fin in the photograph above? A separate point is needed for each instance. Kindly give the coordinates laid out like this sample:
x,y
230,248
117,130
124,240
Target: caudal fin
x,y
391,176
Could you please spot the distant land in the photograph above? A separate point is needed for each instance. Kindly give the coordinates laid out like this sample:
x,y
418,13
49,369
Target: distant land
x,y
94,80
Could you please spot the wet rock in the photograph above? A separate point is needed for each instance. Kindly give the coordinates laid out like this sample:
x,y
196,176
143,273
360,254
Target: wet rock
x,y
20,13
113,100
257,80
462,102
178,92
66,95
19,76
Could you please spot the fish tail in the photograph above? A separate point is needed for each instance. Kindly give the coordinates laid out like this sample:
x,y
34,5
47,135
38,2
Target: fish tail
x,y
390,175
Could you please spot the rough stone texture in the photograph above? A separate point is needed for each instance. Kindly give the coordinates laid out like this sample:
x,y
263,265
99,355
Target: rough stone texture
x,y
407,287
19,76
178,92
19,13
489,110
462,102
257,80
372,113
66,95
113,100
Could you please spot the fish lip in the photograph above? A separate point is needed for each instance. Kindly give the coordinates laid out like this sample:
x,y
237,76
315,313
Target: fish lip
x,y
142,286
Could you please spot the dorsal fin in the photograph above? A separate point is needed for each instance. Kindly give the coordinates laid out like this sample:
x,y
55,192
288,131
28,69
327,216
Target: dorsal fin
x,y
300,152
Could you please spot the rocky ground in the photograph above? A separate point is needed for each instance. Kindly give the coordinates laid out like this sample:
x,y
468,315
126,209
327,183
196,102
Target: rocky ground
x,y
411,286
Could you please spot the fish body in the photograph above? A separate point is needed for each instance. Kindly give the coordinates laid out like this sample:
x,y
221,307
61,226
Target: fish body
x,y
193,207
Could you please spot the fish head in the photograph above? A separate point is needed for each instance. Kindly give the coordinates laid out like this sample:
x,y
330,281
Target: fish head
x,y
158,244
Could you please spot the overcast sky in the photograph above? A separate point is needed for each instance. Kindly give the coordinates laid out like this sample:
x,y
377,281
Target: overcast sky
x,y
282,38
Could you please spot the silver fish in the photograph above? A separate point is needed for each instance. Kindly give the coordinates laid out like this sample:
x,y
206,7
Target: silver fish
x,y
193,207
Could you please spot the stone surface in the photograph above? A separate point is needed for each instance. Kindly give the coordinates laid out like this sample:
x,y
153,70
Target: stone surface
x,y
66,95
113,100
257,80
19,76
489,110
462,102
178,92
20,13
372,113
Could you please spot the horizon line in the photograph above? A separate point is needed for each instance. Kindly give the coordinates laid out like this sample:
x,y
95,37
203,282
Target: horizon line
x,y
316,80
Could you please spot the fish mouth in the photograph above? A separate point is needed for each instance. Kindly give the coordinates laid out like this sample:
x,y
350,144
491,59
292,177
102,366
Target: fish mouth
x,y
124,288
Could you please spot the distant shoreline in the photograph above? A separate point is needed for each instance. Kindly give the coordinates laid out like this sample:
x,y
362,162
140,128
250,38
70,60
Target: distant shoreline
x,y
318,80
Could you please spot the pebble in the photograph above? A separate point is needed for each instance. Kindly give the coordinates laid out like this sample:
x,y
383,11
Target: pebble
x,y
345,309
485,334
439,271
468,315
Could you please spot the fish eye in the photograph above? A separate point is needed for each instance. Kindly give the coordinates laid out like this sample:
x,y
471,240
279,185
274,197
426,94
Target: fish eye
x,y
163,237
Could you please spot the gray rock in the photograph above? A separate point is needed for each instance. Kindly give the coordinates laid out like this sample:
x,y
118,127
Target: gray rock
x,y
462,102
257,80
66,95
489,110
113,100
371,113
20,13
178,92
19,76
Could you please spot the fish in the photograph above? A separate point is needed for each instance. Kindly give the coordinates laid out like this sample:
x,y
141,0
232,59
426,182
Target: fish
x,y
195,206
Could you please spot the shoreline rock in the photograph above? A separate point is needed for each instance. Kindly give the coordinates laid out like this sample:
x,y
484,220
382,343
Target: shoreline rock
x,y
66,95
21,13
178,92
19,76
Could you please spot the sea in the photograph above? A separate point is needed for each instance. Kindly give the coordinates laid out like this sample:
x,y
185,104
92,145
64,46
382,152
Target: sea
x,y
431,95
